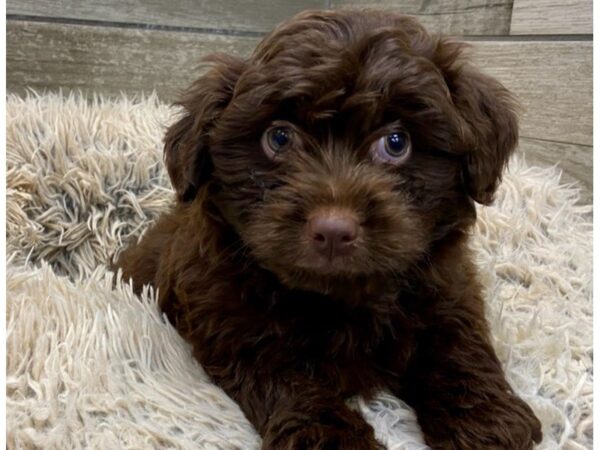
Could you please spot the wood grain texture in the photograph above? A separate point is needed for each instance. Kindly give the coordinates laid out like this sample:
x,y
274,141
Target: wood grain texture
x,y
551,17
552,80
241,15
575,160
460,17
109,60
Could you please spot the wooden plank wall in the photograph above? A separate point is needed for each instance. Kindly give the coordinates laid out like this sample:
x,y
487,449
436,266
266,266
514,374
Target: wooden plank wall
x,y
227,15
540,49
551,17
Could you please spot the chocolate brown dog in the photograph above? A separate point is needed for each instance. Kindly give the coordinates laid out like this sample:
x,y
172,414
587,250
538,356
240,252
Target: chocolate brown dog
x,y
318,246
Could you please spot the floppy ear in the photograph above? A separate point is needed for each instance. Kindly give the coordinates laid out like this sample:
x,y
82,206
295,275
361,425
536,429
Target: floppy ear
x,y
490,125
186,150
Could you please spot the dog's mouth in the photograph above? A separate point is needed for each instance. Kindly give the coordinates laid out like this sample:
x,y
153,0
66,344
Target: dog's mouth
x,y
319,274
325,265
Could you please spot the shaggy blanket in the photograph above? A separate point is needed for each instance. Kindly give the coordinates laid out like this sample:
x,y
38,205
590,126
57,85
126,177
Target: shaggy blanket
x,y
92,366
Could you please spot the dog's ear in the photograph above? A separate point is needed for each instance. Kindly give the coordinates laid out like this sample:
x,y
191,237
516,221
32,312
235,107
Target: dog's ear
x,y
186,142
489,123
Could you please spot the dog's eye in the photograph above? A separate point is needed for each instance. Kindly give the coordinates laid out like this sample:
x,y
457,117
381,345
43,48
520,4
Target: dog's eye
x,y
393,148
275,140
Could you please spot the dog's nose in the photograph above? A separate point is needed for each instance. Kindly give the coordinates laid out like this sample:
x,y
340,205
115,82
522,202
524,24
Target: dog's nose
x,y
333,234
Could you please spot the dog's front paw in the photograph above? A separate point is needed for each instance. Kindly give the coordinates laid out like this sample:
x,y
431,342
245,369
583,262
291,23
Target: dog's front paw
x,y
331,431
506,424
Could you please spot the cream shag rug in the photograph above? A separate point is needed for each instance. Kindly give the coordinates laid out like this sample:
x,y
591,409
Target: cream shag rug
x,y
90,366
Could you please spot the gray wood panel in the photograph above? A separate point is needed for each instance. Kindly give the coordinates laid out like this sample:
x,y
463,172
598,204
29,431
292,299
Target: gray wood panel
x,y
108,60
246,15
574,160
551,17
553,81
460,17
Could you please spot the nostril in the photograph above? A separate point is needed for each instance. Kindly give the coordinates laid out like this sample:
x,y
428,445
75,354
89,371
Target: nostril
x,y
319,237
347,238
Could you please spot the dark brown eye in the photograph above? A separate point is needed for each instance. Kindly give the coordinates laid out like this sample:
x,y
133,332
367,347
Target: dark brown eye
x,y
394,148
276,140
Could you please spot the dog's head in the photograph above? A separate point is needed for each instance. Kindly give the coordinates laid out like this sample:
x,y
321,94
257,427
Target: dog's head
x,y
345,146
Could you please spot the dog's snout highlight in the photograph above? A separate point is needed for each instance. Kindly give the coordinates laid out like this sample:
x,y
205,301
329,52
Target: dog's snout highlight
x,y
333,233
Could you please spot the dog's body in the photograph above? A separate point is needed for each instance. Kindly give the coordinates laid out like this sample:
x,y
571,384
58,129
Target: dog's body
x,y
317,249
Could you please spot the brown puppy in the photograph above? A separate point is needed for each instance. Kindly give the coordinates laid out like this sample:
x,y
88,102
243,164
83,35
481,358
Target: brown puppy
x,y
317,250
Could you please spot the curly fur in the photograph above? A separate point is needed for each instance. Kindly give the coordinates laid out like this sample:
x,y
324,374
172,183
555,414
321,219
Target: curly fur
x,y
288,341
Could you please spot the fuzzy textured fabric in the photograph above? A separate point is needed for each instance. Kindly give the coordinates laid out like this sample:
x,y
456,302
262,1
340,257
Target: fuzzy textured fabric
x,y
92,366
